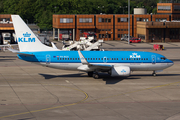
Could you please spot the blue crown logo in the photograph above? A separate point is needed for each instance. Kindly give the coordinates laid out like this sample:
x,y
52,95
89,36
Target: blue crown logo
x,y
123,71
27,34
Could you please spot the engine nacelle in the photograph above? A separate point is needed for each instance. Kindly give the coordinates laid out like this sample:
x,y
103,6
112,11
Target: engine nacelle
x,y
120,71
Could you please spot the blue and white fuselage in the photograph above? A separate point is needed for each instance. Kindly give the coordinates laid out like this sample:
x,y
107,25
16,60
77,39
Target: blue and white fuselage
x,y
70,60
116,63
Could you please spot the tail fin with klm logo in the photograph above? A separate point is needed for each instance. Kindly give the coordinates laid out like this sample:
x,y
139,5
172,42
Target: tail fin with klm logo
x,y
27,40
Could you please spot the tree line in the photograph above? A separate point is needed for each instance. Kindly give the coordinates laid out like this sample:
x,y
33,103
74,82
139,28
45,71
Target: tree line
x,y
41,11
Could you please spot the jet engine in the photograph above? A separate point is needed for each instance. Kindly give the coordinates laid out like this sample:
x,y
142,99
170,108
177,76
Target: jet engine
x,y
120,71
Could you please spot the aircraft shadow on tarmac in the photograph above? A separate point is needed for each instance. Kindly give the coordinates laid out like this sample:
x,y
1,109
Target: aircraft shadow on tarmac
x,y
6,60
48,76
174,60
26,118
8,56
115,80
105,77
141,75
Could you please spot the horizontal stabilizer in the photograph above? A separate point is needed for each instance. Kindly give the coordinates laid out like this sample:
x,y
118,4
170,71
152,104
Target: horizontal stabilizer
x,y
25,54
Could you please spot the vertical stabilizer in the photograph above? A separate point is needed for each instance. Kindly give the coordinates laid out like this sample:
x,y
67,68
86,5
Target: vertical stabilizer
x,y
27,40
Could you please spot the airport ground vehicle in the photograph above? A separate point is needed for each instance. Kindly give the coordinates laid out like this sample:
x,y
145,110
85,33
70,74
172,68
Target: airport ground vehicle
x,y
65,35
89,34
116,63
43,38
6,38
135,40
125,38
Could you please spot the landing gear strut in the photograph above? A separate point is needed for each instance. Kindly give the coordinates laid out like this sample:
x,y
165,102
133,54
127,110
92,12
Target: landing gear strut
x,y
154,73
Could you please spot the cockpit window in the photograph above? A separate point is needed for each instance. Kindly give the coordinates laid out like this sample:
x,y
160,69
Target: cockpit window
x,y
163,58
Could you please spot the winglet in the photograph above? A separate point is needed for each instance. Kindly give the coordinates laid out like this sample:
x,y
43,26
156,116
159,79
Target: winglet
x,y
83,60
53,45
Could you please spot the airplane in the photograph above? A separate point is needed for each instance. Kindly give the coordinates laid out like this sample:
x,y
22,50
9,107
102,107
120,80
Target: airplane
x,y
6,46
115,63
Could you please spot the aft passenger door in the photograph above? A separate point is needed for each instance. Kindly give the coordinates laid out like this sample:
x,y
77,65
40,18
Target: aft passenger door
x,y
48,59
153,59
105,59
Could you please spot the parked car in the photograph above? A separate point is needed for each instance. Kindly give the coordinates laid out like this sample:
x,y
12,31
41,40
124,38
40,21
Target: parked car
x,y
135,40
125,38
65,35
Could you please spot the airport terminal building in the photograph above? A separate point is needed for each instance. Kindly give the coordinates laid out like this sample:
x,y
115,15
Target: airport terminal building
x,y
161,27
7,29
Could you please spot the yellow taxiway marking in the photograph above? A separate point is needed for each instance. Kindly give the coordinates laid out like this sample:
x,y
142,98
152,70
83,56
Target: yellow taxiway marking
x,y
134,91
86,97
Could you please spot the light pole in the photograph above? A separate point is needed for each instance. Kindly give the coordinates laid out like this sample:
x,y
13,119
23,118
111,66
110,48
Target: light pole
x,y
55,9
101,9
128,20
122,8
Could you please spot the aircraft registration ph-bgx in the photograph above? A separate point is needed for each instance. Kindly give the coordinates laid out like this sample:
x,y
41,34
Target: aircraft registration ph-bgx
x,y
116,63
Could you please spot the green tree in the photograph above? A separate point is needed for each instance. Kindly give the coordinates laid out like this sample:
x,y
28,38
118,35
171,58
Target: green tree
x,y
41,11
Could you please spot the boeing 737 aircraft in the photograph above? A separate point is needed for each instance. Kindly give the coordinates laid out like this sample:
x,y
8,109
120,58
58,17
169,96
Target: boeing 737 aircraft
x,y
116,63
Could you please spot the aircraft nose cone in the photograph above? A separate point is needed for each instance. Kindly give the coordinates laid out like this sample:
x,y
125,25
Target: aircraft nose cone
x,y
170,63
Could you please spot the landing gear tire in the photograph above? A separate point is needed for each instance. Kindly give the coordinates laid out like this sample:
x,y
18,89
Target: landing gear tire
x,y
154,74
90,74
96,76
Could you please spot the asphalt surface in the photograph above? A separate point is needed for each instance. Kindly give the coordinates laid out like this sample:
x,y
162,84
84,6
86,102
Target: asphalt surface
x,y
32,92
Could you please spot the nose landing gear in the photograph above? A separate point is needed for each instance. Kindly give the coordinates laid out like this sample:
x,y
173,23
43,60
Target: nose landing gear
x,y
154,73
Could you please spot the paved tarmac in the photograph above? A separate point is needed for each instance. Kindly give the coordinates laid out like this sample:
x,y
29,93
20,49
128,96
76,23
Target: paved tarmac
x,y
32,92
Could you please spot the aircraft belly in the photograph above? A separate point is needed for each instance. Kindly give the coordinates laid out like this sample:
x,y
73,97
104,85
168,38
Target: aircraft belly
x,y
143,66
148,67
64,66
133,66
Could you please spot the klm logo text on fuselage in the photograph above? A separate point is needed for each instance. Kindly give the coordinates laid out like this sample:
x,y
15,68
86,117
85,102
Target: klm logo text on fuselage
x,y
26,38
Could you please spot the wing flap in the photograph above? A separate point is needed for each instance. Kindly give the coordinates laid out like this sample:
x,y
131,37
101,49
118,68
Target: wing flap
x,y
101,65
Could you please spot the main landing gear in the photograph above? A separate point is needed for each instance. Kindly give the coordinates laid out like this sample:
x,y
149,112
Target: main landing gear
x,y
95,75
154,73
